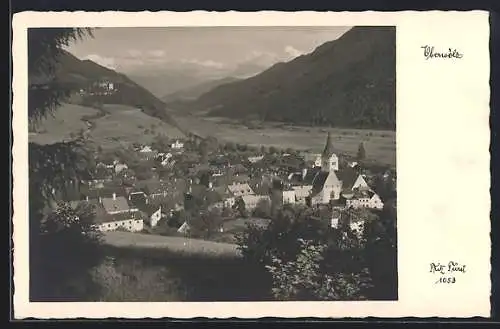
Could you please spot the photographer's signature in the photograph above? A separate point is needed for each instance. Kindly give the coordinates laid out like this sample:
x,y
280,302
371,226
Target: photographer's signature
x,y
447,272
451,53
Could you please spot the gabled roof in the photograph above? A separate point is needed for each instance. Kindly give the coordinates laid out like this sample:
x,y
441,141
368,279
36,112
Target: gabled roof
x,y
118,217
310,175
105,192
118,204
358,194
348,176
325,178
240,189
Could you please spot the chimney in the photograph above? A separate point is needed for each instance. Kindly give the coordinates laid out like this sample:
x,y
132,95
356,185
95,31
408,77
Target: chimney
x,y
114,196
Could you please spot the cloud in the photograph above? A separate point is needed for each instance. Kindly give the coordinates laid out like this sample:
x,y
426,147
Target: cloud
x,y
108,62
134,53
262,58
293,52
157,53
206,63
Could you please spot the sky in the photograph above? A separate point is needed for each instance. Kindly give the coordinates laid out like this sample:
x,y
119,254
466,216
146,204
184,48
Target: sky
x,y
128,49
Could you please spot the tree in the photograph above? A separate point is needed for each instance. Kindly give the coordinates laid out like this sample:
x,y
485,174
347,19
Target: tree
x,y
338,255
263,209
273,150
240,206
206,223
302,278
361,155
61,248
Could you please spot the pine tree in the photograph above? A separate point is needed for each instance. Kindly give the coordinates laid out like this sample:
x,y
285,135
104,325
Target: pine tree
x,y
361,152
63,243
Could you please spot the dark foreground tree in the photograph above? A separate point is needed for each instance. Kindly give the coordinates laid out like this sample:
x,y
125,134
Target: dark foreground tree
x,y
63,244
361,155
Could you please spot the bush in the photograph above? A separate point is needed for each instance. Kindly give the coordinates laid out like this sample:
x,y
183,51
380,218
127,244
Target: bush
x,y
131,281
339,257
302,279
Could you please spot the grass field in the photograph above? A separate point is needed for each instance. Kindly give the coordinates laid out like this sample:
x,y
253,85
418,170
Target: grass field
x,y
174,244
120,125
380,146
162,275
67,120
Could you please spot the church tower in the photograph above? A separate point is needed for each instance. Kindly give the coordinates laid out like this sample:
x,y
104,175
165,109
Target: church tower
x,y
329,160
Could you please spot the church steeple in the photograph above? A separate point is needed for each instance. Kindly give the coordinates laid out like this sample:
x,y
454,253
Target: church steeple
x,y
328,151
329,160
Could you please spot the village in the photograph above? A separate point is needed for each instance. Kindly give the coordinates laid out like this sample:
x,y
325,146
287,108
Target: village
x,y
200,189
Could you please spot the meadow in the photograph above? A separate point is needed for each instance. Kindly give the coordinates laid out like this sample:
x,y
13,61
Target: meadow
x,y
122,125
119,125
171,243
380,145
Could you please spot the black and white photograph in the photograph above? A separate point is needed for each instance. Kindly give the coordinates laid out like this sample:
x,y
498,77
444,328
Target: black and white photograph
x,y
231,163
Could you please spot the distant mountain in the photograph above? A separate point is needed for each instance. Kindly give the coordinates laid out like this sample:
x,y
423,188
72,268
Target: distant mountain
x,y
166,82
170,78
348,82
196,91
81,74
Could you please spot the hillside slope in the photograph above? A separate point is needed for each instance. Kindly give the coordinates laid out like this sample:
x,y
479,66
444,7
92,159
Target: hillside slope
x,y
348,82
80,74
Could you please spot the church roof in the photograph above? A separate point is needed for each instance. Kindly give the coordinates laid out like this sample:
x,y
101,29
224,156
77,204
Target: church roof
x,y
323,178
328,150
348,176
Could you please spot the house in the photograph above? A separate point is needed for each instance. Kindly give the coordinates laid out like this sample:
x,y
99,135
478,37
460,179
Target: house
x,y
147,153
138,198
364,199
220,197
335,219
240,179
153,188
352,180
132,222
252,200
177,145
111,218
184,228
301,193
116,205
119,167
255,159
289,196
238,190
154,216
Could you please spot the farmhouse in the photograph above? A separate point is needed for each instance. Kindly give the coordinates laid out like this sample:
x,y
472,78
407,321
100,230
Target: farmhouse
x,y
114,213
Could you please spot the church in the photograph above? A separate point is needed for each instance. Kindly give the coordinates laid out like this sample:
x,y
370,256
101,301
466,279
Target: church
x,y
327,182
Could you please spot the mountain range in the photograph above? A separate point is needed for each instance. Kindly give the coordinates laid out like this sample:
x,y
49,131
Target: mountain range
x,y
178,76
348,82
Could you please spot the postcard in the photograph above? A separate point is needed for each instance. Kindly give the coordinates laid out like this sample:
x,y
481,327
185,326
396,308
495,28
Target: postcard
x,y
251,164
